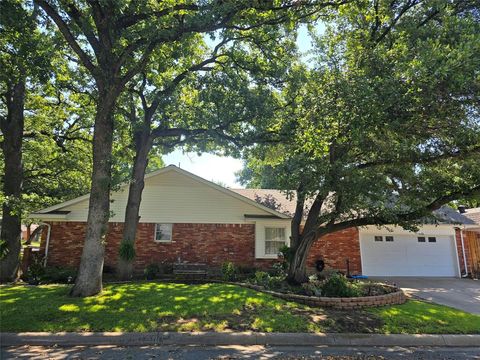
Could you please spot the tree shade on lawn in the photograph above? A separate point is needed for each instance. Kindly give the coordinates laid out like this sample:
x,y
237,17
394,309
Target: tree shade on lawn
x,y
151,306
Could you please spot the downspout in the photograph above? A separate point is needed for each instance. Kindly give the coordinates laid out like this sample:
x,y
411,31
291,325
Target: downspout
x,y
463,251
47,242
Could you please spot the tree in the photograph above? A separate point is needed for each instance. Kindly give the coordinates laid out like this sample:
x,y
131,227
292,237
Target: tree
x,y
23,60
214,99
114,41
385,126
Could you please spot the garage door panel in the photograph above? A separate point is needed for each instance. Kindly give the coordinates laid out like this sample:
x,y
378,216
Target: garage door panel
x,y
405,256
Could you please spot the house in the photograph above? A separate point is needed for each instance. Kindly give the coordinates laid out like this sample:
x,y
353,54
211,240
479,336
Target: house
x,y
186,218
472,242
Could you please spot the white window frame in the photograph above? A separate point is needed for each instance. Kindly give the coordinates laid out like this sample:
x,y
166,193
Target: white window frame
x,y
265,238
155,233
260,226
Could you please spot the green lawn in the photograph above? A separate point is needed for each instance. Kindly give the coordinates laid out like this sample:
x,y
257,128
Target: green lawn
x,y
150,306
416,317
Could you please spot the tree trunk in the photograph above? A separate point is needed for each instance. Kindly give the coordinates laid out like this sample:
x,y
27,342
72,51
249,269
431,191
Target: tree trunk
x,y
12,128
143,145
89,279
297,271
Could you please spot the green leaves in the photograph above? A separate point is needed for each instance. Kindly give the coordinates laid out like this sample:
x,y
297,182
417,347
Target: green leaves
x,y
387,120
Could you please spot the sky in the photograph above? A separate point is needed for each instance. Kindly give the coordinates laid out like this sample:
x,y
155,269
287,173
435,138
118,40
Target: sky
x,y
220,169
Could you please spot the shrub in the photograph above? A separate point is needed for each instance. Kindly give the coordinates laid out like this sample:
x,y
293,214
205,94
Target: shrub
x,y
312,288
261,278
151,271
57,274
339,286
280,269
127,250
287,254
229,271
35,270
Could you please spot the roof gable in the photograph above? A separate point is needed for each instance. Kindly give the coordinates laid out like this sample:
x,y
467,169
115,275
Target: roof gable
x,y
170,176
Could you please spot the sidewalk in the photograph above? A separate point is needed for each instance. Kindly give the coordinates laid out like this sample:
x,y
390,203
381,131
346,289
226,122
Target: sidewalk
x,y
237,338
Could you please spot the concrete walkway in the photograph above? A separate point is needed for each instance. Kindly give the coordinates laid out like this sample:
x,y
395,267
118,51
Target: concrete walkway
x,y
234,338
463,294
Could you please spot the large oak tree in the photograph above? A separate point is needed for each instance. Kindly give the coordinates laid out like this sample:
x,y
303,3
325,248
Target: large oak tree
x,y
23,62
213,98
114,41
385,126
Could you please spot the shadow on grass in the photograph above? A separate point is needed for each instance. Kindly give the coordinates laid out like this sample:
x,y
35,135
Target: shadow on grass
x,y
148,307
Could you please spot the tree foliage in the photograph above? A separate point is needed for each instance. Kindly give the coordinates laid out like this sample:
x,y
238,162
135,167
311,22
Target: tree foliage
x,y
385,126
115,41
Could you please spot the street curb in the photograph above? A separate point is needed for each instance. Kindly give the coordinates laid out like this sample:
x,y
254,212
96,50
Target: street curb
x,y
234,338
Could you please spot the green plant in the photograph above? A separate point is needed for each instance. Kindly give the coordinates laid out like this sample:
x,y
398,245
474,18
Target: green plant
x,y
127,250
35,270
229,271
280,269
60,275
312,288
151,271
287,253
261,278
339,286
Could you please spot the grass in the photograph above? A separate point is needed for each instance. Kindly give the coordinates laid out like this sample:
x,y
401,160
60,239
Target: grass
x,y
147,307
416,317
150,306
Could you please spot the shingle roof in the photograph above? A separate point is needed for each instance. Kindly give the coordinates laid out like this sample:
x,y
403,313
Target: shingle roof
x,y
279,200
473,214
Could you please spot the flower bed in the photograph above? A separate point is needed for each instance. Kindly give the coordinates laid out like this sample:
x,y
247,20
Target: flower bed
x,y
397,296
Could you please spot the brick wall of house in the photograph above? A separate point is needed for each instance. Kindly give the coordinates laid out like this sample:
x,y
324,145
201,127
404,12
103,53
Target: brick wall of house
x,y
212,244
335,248
205,243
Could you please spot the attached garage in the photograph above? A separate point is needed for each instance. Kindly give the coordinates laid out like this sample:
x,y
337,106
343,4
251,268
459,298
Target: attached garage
x,y
397,252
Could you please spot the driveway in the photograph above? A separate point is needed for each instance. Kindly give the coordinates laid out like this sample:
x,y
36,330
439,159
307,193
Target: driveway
x,y
463,294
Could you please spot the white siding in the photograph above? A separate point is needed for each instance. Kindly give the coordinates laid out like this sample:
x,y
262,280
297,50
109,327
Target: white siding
x,y
174,197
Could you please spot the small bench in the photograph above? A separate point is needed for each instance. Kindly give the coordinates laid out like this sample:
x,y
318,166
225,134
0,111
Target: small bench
x,y
191,270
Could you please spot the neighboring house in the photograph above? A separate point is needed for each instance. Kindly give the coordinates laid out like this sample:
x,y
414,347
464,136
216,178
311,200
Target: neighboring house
x,y
186,218
472,242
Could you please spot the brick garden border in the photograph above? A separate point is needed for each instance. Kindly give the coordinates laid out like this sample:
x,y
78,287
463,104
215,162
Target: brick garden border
x,y
395,298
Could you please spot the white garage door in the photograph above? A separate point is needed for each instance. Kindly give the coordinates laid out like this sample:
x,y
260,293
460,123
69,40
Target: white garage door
x,y
408,255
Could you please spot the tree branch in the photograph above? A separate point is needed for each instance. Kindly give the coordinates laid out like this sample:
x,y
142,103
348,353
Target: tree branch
x,y
421,160
405,217
63,27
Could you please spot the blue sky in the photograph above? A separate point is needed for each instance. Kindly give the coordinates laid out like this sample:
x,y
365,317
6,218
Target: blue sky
x,y
220,168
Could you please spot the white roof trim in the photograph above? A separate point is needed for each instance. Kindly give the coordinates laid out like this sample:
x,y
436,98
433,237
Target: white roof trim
x,y
43,216
183,172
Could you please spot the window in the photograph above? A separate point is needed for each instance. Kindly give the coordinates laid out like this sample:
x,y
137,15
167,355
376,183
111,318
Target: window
x,y
432,239
274,240
421,239
378,238
163,232
389,238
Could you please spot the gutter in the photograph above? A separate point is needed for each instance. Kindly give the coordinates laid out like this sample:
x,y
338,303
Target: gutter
x,y
47,243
